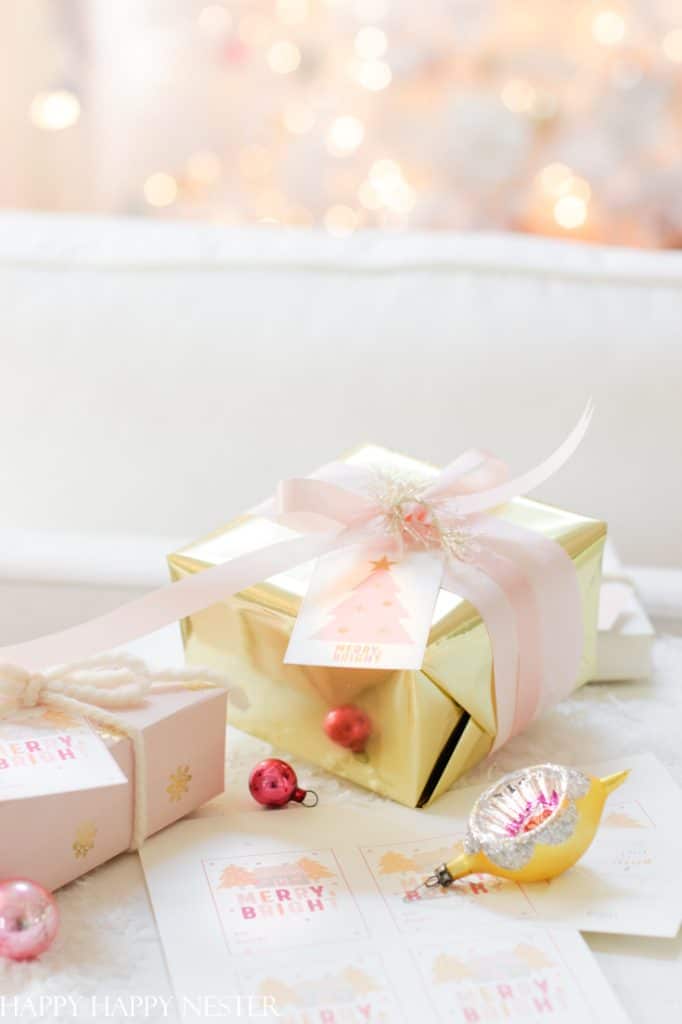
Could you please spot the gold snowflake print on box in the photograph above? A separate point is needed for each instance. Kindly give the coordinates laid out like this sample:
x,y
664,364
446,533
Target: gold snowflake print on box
x,y
111,732
59,719
179,783
84,840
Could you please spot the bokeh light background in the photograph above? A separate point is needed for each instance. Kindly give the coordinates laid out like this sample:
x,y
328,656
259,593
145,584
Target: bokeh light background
x,y
558,117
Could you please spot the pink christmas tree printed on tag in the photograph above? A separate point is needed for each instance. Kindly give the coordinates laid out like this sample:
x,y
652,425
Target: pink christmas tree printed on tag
x,y
371,612
367,607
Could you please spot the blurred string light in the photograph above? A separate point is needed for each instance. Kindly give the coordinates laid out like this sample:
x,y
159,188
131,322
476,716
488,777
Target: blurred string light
x,y
608,28
160,189
386,188
348,114
570,211
54,111
345,135
284,57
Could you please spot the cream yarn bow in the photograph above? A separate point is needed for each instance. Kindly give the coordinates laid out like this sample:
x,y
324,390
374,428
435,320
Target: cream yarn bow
x,y
96,688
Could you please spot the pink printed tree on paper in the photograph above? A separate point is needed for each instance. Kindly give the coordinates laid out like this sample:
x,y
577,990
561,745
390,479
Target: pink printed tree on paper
x,y
372,612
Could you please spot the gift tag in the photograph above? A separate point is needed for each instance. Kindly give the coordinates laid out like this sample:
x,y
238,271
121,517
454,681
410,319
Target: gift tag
x,y
44,751
367,608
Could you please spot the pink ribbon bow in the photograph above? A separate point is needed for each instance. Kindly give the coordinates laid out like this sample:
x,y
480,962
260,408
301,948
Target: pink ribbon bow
x,y
523,585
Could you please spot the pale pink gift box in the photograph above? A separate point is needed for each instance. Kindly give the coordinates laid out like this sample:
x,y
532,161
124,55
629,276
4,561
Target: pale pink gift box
x,y
54,839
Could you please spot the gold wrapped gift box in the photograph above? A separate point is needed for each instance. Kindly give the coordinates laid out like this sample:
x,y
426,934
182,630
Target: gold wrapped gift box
x,y
430,725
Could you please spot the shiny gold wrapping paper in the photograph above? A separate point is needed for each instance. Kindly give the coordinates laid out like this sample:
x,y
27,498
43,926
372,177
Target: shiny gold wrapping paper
x,y
430,725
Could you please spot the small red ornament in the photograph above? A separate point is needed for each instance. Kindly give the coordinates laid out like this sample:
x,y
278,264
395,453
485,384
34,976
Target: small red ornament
x,y
273,783
349,726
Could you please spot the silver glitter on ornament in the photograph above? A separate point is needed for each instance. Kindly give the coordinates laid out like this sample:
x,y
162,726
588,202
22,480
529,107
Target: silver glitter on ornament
x,y
536,805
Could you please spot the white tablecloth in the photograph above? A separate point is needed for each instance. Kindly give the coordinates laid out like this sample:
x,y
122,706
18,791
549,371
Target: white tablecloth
x,y
108,946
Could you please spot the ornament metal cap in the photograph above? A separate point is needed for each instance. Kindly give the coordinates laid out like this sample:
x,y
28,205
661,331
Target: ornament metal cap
x,y
441,876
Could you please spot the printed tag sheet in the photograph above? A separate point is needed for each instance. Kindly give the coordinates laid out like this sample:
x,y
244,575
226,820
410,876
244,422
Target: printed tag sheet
x,y
322,912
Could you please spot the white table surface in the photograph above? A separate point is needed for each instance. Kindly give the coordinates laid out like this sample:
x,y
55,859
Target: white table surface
x,y
108,946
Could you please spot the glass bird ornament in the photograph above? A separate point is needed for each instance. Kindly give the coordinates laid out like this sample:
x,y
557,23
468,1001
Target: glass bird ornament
x,y
531,825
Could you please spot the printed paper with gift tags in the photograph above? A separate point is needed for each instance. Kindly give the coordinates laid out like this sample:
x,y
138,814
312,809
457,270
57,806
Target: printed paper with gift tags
x,y
324,912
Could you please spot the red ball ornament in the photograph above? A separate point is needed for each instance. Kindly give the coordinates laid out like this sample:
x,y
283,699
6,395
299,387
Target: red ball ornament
x,y
273,783
29,919
349,726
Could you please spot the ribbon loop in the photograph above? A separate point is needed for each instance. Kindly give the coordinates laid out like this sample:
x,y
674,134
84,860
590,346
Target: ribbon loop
x,y
483,501
321,498
472,471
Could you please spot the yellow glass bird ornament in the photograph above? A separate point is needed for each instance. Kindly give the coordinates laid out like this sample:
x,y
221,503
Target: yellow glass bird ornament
x,y
531,825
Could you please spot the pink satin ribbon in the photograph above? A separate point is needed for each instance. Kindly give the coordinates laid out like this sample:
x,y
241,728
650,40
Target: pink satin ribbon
x,y
523,585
